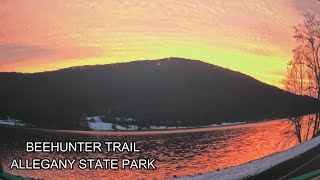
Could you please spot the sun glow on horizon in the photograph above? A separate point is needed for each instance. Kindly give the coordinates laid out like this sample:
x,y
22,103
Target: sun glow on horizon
x,y
252,37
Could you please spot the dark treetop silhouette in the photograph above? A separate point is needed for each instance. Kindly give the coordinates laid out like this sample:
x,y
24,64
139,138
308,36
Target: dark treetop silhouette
x,y
171,91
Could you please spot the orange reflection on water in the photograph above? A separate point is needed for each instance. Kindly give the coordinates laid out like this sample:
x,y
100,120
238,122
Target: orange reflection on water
x,y
178,152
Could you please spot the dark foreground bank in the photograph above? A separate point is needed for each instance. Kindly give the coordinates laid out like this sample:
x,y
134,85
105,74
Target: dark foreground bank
x,y
302,164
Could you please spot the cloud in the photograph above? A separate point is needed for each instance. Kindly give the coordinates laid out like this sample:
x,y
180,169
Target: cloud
x,y
17,52
307,6
83,32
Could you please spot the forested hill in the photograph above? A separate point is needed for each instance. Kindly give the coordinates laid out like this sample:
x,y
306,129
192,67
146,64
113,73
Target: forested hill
x,y
171,91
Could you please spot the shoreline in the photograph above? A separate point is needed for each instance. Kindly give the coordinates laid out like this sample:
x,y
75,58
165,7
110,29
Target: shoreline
x,y
173,128
151,131
302,164
252,169
220,125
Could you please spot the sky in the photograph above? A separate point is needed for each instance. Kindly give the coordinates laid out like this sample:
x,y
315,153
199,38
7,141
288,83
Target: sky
x,y
250,36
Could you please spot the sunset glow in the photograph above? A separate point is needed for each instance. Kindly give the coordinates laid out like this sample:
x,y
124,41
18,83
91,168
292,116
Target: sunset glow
x,y
250,36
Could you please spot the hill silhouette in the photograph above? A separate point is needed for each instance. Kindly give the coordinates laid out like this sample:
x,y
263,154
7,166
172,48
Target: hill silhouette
x,y
171,91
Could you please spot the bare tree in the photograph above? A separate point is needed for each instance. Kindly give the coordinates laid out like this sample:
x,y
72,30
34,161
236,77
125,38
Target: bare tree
x,y
306,62
303,72
295,78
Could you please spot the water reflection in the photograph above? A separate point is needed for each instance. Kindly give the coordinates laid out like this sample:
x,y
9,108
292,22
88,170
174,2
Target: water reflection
x,y
178,152
301,128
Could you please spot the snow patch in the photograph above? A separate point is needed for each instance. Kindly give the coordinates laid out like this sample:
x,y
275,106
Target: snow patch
x,y
185,127
13,122
129,128
96,123
257,166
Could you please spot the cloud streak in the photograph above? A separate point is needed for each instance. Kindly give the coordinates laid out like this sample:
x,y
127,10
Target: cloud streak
x,y
13,53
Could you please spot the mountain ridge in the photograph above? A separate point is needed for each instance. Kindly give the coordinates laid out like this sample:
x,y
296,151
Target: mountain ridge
x,y
170,91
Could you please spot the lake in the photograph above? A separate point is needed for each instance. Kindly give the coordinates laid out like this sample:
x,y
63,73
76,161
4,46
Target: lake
x,y
178,152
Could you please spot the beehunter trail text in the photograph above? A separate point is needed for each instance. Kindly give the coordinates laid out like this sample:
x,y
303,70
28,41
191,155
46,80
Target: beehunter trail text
x,y
84,163
81,146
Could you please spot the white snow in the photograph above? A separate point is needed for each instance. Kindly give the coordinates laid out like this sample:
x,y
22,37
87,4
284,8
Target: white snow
x,y
13,122
129,128
184,127
256,166
99,125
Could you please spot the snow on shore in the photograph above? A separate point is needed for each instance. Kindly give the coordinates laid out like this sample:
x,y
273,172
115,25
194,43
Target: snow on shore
x,y
183,127
96,123
226,124
257,166
13,122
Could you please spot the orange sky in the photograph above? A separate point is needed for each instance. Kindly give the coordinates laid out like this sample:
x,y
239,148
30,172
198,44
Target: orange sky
x,y
251,36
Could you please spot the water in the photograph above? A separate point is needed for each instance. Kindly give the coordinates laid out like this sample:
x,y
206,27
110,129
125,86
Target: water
x,y
178,152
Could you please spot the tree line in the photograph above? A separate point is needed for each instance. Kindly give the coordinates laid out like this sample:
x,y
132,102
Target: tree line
x,y
303,72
